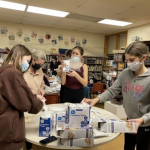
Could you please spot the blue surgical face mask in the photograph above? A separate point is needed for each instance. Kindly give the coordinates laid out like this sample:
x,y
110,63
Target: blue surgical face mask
x,y
25,66
75,58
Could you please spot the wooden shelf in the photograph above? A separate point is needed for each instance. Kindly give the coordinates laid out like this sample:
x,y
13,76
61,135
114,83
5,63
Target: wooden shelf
x,y
95,71
93,64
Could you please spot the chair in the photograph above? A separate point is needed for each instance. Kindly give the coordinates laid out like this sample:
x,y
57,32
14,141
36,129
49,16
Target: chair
x,y
86,92
98,88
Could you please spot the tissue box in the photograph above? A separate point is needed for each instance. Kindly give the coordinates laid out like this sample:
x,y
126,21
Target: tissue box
x,y
79,115
115,126
74,133
60,118
66,69
45,126
82,142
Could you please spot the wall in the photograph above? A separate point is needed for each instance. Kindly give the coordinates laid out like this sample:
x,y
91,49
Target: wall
x,y
111,44
143,33
93,47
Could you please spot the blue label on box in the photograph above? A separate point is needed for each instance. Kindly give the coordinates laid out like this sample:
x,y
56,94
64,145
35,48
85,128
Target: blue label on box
x,y
45,127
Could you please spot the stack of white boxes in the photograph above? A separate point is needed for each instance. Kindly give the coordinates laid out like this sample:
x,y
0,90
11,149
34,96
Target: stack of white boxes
x,y
76,131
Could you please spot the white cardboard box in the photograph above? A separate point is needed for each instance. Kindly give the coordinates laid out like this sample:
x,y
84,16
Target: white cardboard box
x,y
116,109
79,115
74,133
117,126
82,142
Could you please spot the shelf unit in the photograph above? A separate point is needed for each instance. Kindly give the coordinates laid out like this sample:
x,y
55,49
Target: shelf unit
x,y
94,66
46,65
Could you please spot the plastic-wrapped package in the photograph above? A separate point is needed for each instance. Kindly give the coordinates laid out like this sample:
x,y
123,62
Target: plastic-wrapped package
x,y
75,64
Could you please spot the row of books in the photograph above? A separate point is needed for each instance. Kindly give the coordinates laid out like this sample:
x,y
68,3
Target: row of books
x,y
94,68
97,61
114,64
49,58
97,76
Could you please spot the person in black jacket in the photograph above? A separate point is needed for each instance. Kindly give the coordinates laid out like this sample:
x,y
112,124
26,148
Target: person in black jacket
x,y
54,65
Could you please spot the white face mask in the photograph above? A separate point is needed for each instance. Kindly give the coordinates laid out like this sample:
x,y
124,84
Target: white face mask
x,y
134,66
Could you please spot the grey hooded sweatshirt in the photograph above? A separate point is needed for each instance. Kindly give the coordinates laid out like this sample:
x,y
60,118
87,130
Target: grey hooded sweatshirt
x,y
136,94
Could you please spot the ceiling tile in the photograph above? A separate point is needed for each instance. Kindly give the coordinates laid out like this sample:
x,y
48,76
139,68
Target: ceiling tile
x,y
131,3
11,12
93,12
104,6
74,21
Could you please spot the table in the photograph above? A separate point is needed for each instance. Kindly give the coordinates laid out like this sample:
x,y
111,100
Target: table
x,y
32,130
52,98
116,109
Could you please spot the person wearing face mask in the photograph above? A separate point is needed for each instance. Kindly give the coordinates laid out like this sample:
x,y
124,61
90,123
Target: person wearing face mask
x,y
134,83
54,65
34,75
15,98
75,80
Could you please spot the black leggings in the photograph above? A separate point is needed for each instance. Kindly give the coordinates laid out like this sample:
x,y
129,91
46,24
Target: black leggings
x,y
72,95
141,140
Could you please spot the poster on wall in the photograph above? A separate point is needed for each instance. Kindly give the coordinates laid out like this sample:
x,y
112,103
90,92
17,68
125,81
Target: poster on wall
x,y
60,38
26,37
19,33
84,41
77,42
34,35
53,51
72,40
47,36
41,39
4,31
136,39
66,41
11,36
54,41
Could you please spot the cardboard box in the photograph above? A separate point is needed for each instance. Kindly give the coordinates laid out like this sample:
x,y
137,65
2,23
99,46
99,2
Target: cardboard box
x,y
117,126
60,117
74,133
45,126
79,115
82,142
66,69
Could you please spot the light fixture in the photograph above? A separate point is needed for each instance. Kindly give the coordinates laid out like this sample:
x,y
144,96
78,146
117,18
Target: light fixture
x,y
114,22
10,5
45,11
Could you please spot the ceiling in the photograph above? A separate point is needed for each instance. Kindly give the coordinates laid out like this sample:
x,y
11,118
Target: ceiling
x,y
135,11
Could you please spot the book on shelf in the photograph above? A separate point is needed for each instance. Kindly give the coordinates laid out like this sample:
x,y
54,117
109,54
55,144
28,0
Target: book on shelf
x,y
97,76
94,68
118,57
94,61
120,66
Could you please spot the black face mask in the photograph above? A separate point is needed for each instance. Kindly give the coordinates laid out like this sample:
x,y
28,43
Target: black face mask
x,y
36,66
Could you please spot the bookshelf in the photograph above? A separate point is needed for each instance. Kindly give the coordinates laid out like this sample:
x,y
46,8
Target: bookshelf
x,y
115,62
46,65
94,66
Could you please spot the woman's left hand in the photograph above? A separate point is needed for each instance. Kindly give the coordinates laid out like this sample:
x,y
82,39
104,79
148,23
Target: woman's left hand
x,y
138,122
42,92
72,73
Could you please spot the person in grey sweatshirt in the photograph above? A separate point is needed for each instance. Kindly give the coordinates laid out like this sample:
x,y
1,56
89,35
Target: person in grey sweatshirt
x,y
134,83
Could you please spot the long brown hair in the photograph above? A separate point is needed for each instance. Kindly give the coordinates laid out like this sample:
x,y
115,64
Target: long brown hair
x,y
17,52
137,49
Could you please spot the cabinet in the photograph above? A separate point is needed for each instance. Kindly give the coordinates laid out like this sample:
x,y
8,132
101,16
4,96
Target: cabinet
x,y
52,98
94,66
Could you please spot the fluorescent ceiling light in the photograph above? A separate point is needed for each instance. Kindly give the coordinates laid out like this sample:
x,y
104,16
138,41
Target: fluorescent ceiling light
x,y
114,22
45,11
10,5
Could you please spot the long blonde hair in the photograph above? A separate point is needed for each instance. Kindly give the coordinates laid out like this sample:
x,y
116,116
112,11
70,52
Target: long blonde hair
x,y
15,54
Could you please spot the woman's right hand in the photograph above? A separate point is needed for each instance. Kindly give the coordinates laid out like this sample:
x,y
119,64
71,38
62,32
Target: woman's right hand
x,y
40,97
91,102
